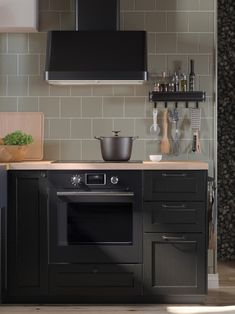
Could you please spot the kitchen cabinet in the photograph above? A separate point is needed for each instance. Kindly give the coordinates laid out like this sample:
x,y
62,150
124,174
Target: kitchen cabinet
x,y
171,267
3,204
95,280
18,16
27,234
167,216
175,233
174,264
175,185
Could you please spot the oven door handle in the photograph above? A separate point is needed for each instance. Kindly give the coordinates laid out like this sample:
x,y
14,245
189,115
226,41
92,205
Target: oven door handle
x,y
78,193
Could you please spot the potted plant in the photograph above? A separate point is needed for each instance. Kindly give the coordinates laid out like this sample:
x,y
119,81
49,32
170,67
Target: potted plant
x,y
14,146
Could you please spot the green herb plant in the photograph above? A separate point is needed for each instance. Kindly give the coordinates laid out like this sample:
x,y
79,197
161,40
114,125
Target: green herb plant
x,y
17,138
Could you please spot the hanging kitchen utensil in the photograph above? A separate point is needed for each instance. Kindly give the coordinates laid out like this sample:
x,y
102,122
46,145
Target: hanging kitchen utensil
x,y
175,133
154,129
196,124
165,145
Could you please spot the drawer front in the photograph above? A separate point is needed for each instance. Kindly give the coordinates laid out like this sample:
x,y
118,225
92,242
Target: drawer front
x,y
175,185
174,216
174,264
96,280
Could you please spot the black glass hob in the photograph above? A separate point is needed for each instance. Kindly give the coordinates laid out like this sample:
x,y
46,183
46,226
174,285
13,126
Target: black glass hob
x,y
97,161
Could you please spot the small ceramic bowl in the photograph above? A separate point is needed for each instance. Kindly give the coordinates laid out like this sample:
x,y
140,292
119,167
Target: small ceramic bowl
x,y
155,157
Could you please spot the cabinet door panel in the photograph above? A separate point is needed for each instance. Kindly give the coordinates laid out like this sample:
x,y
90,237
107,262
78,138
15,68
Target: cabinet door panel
x,y
174,216
27,235
96,280
174,264
175,185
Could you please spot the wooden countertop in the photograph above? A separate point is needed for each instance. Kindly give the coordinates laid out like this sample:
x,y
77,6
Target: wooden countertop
x,y
145,165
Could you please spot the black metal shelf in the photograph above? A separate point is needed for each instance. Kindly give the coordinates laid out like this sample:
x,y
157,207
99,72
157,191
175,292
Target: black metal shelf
x,y
196,96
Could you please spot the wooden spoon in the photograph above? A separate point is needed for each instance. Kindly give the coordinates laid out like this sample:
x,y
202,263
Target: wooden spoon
x,y
165,145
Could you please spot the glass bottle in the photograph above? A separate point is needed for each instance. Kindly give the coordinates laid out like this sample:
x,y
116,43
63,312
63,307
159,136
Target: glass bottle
x,y
175,81
183,82
191,77
163,83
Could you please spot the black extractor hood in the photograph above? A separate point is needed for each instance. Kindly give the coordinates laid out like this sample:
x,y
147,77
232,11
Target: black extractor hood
x,y
97,52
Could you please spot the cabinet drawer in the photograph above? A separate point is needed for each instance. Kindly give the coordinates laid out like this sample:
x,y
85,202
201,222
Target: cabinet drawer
x,y
97,280
175,185
174,216
174,264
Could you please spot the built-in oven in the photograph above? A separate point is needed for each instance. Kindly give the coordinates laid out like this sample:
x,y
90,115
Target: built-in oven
x,y
95,216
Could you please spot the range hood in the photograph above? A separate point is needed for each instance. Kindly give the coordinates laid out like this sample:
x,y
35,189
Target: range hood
x,y
96,52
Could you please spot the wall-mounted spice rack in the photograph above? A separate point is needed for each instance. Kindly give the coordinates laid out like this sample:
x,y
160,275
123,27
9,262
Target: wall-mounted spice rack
x,y
195,96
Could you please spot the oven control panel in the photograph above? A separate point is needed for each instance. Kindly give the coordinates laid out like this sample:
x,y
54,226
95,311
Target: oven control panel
x,y
91,179
95,179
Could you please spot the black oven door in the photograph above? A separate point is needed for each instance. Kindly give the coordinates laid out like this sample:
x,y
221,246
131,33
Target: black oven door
x,y
95,227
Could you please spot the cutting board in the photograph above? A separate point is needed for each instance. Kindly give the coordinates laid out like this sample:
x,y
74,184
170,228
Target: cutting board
x,y
28,122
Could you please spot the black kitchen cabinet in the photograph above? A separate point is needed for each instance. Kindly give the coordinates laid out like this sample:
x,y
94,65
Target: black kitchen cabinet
x,y
27,234
175,264
178,216
3,205
95,280
175,234
172,267
175,185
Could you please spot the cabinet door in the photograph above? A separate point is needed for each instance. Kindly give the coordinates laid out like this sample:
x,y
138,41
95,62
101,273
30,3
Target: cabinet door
x,y
3,183
174,264
175,185
95,279
27,234
18,16
174,216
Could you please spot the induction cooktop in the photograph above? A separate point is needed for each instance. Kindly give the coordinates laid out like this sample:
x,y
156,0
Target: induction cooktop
x,y
96,161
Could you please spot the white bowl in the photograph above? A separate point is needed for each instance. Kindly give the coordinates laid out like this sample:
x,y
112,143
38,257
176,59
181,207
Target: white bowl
x,y
155,157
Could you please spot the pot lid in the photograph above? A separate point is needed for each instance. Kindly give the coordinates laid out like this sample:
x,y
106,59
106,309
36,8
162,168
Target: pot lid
x,y
116,135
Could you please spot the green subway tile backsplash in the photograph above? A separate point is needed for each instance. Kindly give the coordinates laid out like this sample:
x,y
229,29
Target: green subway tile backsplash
x,y
178,30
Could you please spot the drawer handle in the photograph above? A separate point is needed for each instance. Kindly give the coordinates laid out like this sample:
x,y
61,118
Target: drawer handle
x,y
172,238
173,206
174,175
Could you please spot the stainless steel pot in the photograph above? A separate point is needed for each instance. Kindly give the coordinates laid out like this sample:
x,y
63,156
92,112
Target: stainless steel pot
x,y
116,148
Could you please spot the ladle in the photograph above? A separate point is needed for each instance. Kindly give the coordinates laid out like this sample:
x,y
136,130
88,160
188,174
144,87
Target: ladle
x,y
154,129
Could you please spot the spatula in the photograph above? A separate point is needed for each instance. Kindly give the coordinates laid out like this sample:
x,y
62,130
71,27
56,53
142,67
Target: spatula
x,y
165,145
196,124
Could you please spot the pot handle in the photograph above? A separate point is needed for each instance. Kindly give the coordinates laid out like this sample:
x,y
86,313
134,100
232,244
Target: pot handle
x,y
116,133
135,137
97,138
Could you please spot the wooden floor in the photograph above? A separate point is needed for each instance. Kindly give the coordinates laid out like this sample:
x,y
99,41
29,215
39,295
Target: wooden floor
x,y
218,301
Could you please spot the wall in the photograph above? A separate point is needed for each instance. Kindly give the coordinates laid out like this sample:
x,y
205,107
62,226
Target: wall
x,y
226,130
177,31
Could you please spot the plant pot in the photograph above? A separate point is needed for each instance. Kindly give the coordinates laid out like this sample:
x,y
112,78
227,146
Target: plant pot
x,y
9,153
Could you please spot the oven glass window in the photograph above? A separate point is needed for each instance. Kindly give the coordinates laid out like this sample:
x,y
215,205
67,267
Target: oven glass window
x,y
95,223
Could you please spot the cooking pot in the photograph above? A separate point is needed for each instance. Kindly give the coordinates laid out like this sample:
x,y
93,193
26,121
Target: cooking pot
x,y
116,148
